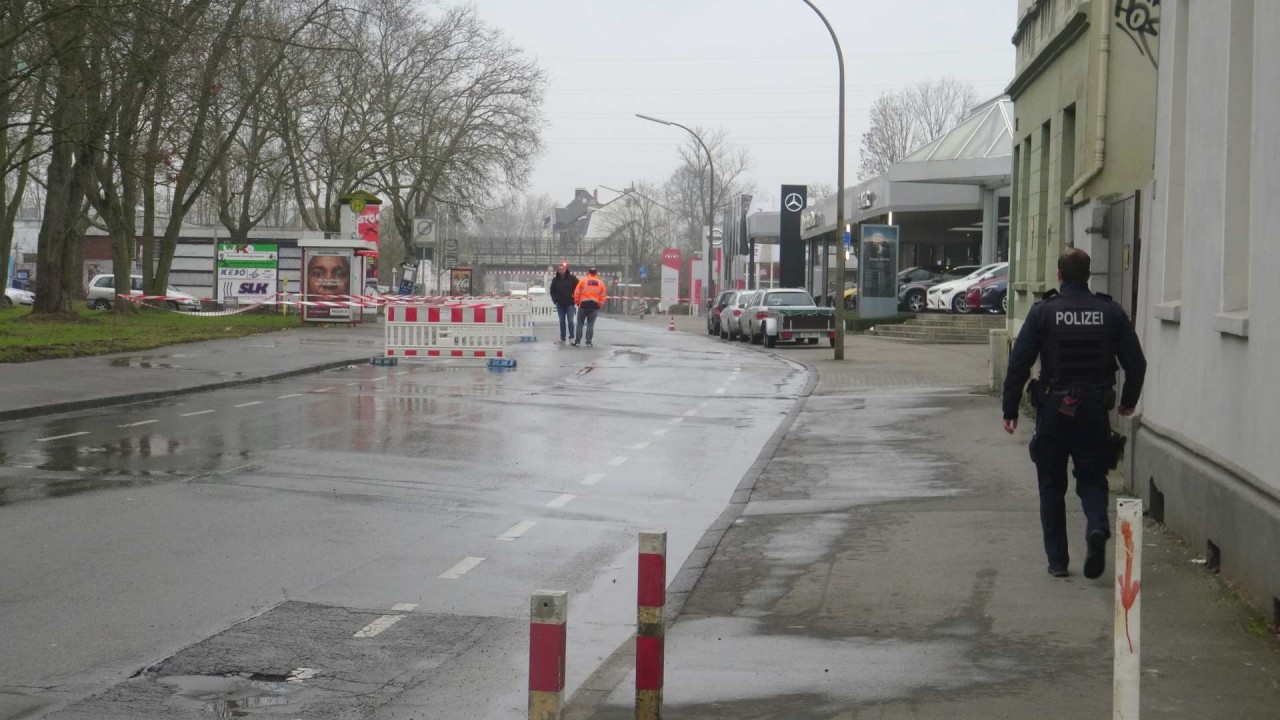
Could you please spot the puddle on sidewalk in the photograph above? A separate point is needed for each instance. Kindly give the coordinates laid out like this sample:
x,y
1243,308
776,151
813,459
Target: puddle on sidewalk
x,y
236,697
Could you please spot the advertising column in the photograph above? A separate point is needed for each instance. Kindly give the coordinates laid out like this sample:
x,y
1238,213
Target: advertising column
x,y
878,271
670,278
327,279
795,198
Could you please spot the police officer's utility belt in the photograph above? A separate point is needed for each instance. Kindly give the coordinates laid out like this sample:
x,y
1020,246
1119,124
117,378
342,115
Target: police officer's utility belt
x,y
1078,392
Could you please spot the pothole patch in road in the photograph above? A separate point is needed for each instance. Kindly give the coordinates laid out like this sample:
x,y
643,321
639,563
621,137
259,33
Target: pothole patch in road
x,y
299,659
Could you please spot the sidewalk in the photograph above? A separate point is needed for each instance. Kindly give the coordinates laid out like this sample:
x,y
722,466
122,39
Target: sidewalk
x,y
52,386
888,565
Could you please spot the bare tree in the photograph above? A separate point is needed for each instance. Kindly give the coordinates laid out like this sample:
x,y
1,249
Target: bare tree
x,y
818,190
517,216
22,97
905,120
686,190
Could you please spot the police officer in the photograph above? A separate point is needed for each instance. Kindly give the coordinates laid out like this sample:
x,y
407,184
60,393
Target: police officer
x,y
1078,336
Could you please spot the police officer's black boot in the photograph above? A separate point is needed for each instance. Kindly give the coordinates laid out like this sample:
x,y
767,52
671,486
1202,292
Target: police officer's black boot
x,y
1096,559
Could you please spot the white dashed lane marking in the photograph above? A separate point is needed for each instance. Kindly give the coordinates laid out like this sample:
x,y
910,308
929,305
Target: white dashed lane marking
x,y
249,404
720,391
290,395
517,530
377,627
198,412
561,501
690,413
618,461
640,445
325,389
677,421
592,479
462,568
140,423
404,607
63,437
660,432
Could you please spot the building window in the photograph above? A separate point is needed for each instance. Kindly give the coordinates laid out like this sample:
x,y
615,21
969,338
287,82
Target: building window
x,y
1238,188
1067,163
1175,210
1044,237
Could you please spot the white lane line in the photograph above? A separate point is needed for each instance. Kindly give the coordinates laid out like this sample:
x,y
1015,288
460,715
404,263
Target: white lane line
x,y
139,424
63,437
737,369
640,445
720,391
517,530
619,461
593,478
690,413
290,395
404,607
297,675
403,372
660,431
249,404
201,412
377,627
326,389
677,421
352,384
702,404
462,568
561,501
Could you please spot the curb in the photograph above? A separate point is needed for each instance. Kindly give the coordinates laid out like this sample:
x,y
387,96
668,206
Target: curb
x,y
600,684
74,405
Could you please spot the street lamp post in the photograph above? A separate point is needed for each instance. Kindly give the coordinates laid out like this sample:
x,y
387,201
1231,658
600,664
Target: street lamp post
x,y
841,257
711,191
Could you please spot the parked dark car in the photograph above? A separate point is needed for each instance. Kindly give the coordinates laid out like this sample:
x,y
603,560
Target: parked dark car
x,y
713,315
995,296
913,294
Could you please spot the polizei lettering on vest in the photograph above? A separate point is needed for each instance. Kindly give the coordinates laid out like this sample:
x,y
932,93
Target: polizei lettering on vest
x,y
1080,317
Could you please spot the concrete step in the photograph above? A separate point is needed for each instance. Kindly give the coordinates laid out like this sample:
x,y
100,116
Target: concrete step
x,y
984,320
934,335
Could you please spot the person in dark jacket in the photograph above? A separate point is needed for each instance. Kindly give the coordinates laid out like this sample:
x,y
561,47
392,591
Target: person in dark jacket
x,y
562,287
1079,336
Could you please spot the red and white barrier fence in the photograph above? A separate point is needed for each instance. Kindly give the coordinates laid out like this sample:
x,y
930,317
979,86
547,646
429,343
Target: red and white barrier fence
x,y
446,331
548,636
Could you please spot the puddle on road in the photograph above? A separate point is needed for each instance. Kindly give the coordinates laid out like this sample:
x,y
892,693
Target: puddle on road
x,y
143,361
233,697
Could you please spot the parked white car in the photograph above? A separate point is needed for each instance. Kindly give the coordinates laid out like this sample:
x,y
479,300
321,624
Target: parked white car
x,y
101,293
730,316
14,296
950,295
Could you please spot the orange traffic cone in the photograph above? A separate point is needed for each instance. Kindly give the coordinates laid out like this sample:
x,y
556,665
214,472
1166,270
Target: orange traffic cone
x,y
671,322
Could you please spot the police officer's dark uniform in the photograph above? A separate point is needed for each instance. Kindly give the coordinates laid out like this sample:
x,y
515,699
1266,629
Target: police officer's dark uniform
x,y
1078,336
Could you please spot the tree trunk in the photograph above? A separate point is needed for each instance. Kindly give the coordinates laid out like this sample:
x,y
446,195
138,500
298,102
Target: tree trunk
x,y
64,199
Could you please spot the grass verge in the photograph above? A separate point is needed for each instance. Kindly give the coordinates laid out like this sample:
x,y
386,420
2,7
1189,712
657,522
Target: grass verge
x,y
23,339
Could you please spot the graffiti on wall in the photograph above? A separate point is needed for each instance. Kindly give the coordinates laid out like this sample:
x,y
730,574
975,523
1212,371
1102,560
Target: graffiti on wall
x,y
1140,20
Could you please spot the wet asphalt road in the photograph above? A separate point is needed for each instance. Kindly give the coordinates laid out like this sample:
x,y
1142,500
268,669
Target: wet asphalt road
x,y
128,534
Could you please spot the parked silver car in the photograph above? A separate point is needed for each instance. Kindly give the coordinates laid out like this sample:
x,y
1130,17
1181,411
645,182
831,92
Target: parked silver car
x,y
101,293
14,296
731,315
748,301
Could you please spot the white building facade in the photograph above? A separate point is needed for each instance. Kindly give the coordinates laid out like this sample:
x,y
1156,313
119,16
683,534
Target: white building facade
x,y
1205,451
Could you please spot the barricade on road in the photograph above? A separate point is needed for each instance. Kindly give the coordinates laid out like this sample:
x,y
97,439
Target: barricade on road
x,y
446,331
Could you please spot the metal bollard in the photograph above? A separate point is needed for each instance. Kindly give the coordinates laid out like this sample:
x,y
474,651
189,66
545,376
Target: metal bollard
x,y
650,626
1128,614
548,613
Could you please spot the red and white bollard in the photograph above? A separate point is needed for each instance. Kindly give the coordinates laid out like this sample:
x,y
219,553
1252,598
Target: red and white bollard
x,y
548,613
651,633
1128,617
671,322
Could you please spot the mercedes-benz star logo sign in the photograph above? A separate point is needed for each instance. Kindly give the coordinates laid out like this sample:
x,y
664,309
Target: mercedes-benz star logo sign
x,y
794,202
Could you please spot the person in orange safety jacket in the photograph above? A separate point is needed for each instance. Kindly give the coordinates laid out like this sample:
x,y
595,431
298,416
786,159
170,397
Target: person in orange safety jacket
x,y
589,296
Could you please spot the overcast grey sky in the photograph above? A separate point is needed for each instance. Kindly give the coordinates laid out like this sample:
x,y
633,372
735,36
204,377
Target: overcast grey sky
x,y
764,70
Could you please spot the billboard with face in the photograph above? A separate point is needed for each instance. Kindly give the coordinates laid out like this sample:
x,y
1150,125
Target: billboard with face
x,y
327,277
